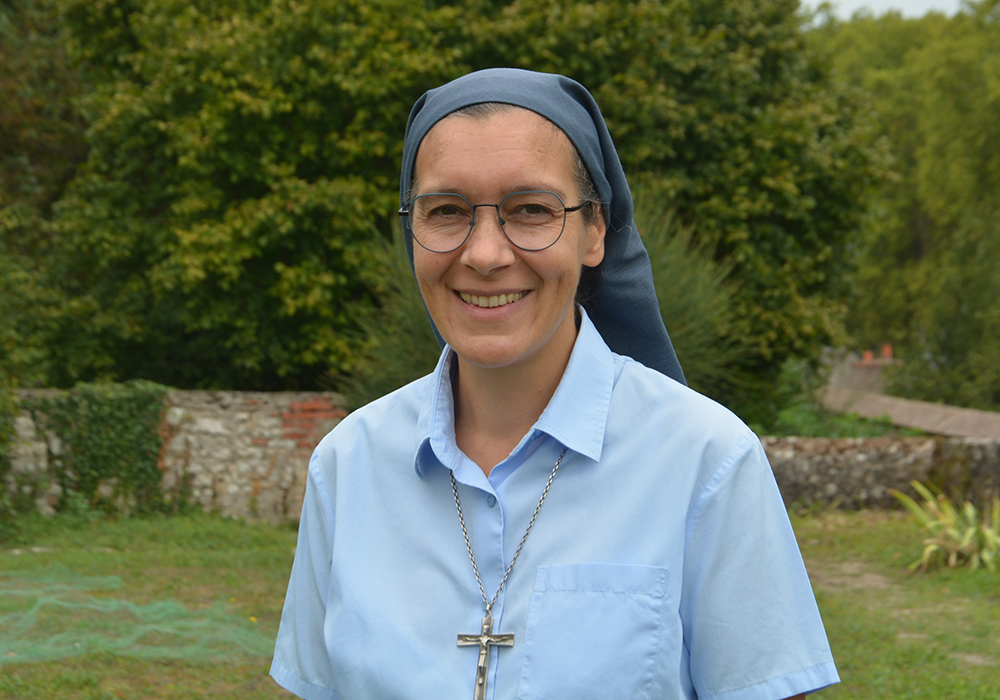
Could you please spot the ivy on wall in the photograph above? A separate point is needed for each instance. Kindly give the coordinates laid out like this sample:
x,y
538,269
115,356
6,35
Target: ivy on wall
x,y
8,512
104,445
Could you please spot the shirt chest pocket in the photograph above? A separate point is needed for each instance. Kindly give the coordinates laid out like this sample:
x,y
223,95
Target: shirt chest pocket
x,y
593,631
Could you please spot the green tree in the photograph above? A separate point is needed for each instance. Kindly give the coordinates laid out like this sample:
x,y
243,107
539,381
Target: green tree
x,y
696,301
395,343
240,153
727,110
40,134
41,143
930,282
219,230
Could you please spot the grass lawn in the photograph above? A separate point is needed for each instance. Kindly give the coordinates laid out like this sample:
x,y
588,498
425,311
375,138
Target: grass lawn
x,y
897,634
894,634
228,578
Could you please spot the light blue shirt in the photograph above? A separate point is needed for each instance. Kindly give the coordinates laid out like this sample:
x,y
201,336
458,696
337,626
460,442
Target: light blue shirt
x,y
662,563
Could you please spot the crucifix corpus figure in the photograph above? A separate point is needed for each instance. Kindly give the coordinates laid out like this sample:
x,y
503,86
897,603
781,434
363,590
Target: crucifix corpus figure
x,y
483,640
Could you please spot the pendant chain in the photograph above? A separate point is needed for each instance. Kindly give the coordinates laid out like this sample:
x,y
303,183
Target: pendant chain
x,y
468,544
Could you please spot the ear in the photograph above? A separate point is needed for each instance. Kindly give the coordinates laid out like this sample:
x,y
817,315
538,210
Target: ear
x,y
593,252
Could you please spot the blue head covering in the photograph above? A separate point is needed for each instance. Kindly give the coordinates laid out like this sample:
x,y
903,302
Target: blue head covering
x,y
624,308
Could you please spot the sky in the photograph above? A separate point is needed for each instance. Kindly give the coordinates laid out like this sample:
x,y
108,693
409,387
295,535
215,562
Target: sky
x,y
909,8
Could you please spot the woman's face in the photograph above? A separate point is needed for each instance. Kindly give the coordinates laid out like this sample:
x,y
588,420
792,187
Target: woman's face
x,y
484,160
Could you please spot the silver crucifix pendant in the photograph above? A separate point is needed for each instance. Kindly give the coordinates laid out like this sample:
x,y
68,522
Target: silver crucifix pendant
x,y
483,640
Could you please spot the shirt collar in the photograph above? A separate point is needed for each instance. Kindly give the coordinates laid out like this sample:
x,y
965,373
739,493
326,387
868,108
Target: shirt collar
x,y
576,415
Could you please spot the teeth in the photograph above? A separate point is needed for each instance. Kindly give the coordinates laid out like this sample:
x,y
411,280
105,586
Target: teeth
x,y
490,302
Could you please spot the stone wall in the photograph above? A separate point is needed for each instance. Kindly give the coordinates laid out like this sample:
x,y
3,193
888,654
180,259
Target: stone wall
x,y
242,454
245,455
861,472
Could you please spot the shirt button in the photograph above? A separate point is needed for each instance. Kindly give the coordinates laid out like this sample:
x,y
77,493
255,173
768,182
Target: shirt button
x,y
491,500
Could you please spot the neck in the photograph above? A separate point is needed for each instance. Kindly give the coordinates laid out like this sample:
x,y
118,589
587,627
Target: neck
x,y
496,407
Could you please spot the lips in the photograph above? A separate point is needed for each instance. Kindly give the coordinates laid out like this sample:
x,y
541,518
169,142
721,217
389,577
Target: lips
x,y
489,302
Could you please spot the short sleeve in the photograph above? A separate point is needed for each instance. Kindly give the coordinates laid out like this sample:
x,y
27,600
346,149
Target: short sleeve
x,y
751,623
301,663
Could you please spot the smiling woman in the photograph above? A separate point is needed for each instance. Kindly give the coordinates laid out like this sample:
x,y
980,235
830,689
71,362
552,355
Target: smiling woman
x,y
524,344
552,495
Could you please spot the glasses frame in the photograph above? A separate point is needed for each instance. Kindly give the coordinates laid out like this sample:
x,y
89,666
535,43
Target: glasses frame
x,y
405,212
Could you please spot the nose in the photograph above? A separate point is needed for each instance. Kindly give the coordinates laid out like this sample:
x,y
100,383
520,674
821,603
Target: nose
x,y
487,248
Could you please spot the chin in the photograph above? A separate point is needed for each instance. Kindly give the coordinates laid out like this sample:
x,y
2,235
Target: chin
x,y
490,355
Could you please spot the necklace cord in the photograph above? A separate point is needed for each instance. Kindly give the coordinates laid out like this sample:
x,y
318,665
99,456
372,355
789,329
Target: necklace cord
x,y
517,552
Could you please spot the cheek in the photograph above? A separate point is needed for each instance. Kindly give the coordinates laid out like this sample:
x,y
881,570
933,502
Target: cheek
x,y
423,265
428,269
561,278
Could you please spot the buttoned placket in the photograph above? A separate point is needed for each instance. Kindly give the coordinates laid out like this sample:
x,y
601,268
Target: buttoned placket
x,y
486,522
524,457
484,517
497,567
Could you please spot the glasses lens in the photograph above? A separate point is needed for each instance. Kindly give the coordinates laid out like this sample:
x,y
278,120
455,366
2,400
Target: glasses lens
x,y
441,222
533,220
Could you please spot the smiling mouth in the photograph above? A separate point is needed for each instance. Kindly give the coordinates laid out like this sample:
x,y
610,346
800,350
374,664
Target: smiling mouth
x,y
490,302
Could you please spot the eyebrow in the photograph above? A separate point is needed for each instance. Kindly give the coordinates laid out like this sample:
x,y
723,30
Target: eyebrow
x,y
506,191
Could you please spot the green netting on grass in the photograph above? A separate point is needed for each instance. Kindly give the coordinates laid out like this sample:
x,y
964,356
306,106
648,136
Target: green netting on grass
x,y
56,613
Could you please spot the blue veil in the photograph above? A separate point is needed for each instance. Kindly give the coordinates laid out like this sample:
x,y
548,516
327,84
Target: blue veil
x,y
624,308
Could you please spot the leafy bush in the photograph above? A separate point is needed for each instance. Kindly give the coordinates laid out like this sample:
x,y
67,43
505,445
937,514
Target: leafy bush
x,y
810,419
801,413
958,536
696,299
396,344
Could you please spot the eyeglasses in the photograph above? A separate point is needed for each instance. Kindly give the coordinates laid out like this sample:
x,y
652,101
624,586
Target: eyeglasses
x,y
442,221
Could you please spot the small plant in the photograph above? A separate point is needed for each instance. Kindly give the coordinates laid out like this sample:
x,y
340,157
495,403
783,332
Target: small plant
x,y
958,536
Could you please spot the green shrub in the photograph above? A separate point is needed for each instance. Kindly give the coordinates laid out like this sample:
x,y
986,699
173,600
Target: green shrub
x,y
959,536
810,419
696,300
797,409
396,344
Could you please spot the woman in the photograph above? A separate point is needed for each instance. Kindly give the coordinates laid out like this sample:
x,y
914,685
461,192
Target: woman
x,y
544,516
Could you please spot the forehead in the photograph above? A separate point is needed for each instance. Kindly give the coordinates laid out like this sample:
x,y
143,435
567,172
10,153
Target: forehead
x,y
515,149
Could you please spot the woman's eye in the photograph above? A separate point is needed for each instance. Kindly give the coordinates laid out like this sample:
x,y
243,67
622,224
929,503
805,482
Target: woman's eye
x,y
448,211
532,210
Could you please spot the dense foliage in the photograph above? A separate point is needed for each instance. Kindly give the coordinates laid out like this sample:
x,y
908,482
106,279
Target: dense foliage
x,y
41,142
930,280
696,301
242,156
395,343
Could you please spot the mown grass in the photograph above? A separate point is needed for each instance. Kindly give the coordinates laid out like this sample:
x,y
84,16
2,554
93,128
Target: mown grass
x,y
894,634
235,570
897,634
